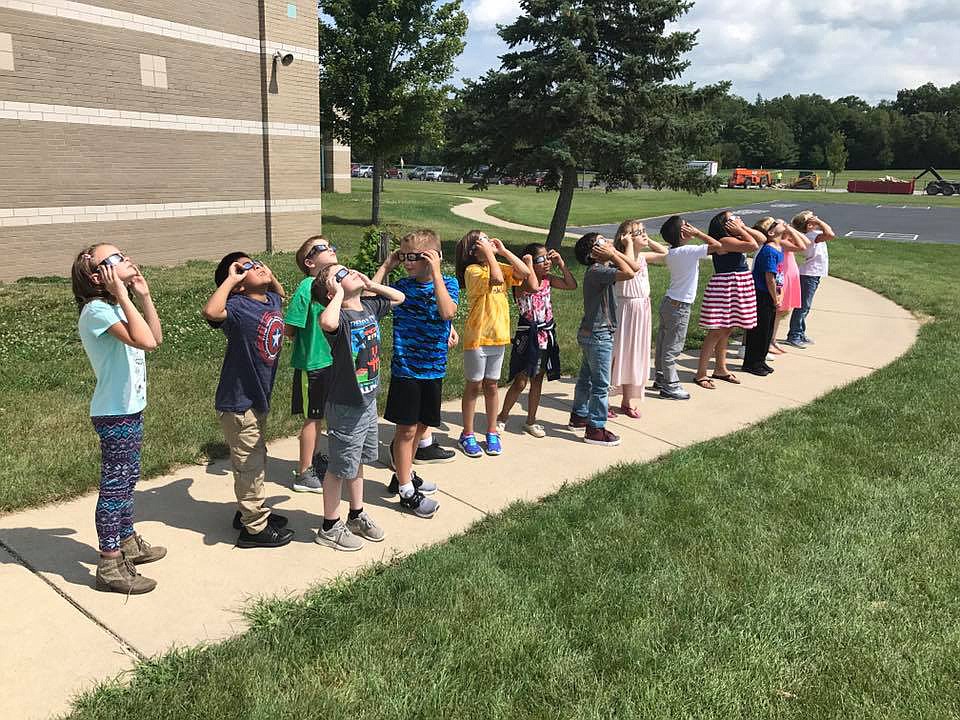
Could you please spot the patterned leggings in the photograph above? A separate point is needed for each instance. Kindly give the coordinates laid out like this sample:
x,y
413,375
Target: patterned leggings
x,y
121,437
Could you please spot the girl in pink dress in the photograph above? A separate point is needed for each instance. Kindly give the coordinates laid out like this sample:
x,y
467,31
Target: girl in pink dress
x,y
631,342
791,241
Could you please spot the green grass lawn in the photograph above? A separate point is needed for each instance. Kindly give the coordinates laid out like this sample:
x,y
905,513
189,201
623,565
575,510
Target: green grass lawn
x,y
801,568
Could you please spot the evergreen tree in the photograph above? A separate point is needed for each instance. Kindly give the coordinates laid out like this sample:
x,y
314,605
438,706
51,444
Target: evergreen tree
x,y
587,82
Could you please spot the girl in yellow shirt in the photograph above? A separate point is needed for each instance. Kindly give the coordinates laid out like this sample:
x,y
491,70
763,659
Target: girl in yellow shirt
x,y
487,332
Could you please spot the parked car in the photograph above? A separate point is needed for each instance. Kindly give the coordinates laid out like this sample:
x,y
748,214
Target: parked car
x,y
354,169
393,173
366,171
448,175
433,173
416,172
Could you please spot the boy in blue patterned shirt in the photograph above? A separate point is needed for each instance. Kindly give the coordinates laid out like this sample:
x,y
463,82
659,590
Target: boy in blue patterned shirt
x,y
421,331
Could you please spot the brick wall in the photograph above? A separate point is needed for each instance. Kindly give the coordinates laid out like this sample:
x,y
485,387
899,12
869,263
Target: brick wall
x,y
142,124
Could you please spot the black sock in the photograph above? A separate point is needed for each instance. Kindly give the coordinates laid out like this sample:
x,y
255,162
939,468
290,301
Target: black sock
x,y
327,524
354,514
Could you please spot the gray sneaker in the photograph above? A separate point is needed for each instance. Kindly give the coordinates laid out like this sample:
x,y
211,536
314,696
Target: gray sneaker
x,y
673,392
420,505
308,482
364,526
339,537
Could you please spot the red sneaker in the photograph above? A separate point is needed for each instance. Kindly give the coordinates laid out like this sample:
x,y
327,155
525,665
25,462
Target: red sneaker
x,y
577,422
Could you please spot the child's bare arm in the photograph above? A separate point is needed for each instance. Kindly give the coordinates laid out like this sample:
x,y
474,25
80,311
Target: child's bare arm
x,y
386,268
330,317
445,304
568,281
826,232
216,308
385,291
520,270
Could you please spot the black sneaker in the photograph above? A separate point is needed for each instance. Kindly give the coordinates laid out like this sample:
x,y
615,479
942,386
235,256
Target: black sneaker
x,y
270,537
420,505
577,422
278,521
418,484
759,370
767,368
433,454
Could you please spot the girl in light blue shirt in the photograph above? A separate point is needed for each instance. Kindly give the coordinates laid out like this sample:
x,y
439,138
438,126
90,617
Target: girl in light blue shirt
x,y
115,335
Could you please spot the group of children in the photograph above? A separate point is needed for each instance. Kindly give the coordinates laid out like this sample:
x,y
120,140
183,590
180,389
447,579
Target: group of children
x,y
333,322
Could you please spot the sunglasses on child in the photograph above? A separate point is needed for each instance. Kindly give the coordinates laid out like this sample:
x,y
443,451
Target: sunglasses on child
x,y
541,259
112,260
250,265
317,249
412,256
341,274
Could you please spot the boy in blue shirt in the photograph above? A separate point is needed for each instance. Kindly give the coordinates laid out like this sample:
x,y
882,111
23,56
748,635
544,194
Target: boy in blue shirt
x,y
768,281
246,307
421,331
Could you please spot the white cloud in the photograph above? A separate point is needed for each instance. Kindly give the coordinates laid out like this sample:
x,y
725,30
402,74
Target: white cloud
x,y
870,48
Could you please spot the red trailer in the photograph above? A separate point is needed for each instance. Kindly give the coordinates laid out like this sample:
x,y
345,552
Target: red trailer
x,y
888,187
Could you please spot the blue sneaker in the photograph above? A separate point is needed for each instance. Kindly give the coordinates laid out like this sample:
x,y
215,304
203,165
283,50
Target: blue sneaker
x,y
470,446
493,444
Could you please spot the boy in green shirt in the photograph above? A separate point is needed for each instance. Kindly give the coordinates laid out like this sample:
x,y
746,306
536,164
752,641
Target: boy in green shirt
x,y
311,362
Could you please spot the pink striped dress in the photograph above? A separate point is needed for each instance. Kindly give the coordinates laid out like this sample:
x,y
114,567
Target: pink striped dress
x,y
730,298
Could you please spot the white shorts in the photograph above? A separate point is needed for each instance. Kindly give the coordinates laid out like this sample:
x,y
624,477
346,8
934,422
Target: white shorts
x,y
484,363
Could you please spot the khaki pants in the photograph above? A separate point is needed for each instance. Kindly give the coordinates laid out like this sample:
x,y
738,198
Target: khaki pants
x,y
244,433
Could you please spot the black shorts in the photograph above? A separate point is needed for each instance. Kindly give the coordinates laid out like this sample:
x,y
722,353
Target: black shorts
x,y
412,402
310,390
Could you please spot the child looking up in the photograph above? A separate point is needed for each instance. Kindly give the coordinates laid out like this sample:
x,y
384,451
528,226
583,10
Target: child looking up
x,y
605,266
351,322
488,328
767,273
814,267
311,361
683,261
246,307
421,331
114,336
631,342
535,352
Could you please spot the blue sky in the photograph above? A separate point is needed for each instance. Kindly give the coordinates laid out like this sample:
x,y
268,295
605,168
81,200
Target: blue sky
x,y
869,48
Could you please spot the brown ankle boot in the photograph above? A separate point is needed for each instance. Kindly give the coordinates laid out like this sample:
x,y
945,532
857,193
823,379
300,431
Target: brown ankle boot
x,y
116,574
139,551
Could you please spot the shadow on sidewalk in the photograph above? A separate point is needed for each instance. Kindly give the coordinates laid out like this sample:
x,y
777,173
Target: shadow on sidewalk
x,y
51,551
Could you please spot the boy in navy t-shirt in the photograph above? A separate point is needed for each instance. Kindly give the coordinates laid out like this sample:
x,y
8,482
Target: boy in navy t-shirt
x,y
421,332
768,281
246,306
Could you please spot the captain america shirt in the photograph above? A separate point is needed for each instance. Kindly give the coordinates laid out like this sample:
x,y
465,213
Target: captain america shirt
x,y
254,331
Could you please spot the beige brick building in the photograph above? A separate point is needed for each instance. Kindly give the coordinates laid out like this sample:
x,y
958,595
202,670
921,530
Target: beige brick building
x,y
174,129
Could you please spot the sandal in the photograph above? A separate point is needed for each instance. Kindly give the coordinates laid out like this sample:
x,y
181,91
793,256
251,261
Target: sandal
x,y
729,377
630,412
706,383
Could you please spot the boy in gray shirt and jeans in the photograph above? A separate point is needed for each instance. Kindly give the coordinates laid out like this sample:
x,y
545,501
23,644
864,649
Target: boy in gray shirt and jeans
x,y
605,266
683,260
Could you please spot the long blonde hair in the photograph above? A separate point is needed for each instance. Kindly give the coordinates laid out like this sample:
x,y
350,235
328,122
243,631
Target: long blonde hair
x,y
801,219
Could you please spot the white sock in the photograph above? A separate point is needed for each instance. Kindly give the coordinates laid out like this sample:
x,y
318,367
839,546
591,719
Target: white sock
x,y
407,489
426,441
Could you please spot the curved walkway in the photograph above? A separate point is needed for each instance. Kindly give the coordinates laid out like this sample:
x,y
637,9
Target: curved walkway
x,y
60,635
476,209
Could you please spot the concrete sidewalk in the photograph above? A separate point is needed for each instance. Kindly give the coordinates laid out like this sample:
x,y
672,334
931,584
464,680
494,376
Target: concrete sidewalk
x,y
60,635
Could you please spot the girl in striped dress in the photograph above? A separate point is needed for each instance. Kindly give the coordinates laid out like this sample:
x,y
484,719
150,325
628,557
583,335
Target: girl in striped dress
x,y
631,342
730,300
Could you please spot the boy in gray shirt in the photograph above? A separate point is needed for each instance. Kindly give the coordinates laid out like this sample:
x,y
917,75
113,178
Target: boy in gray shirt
x,y
605,266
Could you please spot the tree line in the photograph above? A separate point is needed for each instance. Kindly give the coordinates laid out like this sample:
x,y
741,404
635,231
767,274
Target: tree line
x,y
920,128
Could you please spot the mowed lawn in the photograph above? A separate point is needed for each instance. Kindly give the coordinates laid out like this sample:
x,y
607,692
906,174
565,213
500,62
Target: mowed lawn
x,y
800,568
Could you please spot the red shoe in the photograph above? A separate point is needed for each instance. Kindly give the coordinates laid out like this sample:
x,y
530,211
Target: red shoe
x,y
610,413
600,436
630,412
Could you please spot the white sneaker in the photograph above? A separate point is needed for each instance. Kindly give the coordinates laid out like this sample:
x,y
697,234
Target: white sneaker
x,y
339,537
501,426
535,429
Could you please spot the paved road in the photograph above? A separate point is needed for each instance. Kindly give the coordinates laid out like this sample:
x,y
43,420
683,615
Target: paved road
x,y
889,221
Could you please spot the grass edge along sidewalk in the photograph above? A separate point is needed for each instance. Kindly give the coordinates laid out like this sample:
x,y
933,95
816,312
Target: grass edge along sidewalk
x,y
798,568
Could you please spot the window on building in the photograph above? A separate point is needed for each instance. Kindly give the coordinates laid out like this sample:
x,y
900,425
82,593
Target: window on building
x,y
153,71
6,51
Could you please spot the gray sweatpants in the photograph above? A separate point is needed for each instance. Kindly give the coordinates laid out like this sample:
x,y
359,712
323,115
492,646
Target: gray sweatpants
x,y
671,335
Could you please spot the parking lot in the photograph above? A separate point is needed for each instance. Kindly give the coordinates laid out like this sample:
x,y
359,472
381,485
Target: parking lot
x,y
889,221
